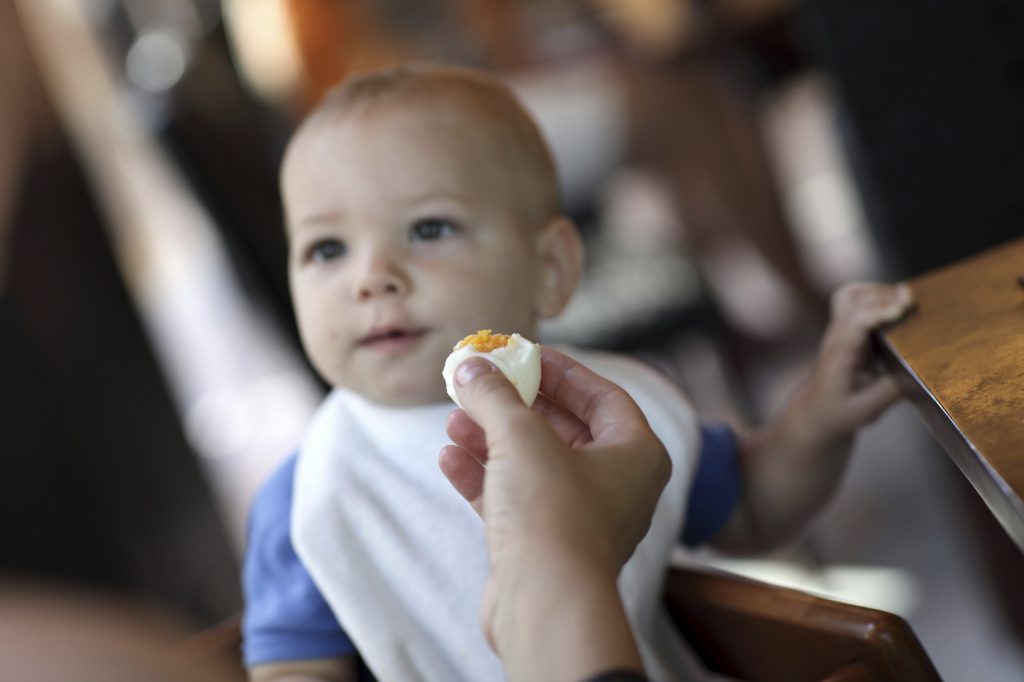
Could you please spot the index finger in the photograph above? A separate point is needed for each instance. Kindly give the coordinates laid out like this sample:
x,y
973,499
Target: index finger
x,y
601,404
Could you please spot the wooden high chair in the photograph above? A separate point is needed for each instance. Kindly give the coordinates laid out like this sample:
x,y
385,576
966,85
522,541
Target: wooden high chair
x,y
753,631
746,630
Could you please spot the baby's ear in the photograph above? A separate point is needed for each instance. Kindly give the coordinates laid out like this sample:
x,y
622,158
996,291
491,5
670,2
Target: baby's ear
x,y
561,262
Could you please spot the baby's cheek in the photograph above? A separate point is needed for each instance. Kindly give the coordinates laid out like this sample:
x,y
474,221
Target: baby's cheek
x,y
326,338
454,296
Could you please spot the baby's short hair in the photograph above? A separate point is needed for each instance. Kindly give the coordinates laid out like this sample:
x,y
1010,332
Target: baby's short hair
x,y
484,97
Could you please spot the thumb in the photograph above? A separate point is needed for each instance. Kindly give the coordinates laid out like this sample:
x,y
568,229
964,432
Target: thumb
x,y
872,400
487,396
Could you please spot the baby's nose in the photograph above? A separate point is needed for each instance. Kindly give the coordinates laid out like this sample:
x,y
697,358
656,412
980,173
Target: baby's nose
x,y
368,290
380,278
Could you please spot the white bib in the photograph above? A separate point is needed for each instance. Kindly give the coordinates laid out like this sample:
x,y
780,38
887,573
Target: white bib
x,y
401,559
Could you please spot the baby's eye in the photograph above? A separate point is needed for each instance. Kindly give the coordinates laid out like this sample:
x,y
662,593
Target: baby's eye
x,y
430,229
325,250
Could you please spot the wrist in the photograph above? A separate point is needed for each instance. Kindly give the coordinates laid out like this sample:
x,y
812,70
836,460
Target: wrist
x,y
809,423
560,617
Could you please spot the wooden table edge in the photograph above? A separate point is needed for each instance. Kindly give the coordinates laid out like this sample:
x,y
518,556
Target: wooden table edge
x,y
997,494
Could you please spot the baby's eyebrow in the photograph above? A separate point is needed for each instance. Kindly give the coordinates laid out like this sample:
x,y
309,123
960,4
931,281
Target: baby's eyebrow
x,y
434,195
326,218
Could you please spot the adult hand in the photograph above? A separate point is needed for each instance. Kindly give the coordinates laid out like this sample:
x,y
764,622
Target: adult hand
x,y
566,489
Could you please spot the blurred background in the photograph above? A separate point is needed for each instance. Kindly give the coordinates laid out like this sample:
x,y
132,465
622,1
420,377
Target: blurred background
x,y
730,162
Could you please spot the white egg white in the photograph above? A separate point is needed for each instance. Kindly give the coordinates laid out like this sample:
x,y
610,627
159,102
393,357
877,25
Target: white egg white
x,y
519,361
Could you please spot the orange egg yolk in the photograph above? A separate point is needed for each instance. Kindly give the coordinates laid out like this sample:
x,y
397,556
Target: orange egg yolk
x,y
484,341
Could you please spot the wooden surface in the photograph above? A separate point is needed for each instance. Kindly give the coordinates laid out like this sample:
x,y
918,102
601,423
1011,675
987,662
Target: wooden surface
x,y
754,631
960,358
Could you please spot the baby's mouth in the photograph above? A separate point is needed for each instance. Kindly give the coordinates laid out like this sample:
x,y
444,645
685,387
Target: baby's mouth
x,y
391,336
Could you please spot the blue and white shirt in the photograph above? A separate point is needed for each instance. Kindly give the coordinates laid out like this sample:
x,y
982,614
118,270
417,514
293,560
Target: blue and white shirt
x,y
286,617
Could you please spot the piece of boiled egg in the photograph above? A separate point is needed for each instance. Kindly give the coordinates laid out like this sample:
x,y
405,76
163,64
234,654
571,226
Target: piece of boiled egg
x,y
516,357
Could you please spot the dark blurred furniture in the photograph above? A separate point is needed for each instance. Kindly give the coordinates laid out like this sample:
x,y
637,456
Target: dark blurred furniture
x,y
960,357
747,630
753,631
932,94
99,486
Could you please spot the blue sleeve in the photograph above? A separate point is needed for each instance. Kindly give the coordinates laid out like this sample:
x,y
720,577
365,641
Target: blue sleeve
x,y
715,489
286,618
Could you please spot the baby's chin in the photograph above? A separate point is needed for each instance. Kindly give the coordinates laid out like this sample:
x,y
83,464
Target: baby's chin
x,y
424,391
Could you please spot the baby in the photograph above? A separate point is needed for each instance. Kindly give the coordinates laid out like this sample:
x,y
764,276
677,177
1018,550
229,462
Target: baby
x,y
422,205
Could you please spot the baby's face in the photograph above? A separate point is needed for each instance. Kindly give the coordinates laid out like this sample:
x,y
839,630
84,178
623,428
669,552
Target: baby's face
x,y
401,242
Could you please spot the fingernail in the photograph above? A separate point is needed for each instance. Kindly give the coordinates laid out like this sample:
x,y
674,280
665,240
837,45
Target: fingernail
x,y
471,368
904,293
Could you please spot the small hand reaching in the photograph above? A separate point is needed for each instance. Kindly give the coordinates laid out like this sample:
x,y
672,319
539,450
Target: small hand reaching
x,y
847,388
792,465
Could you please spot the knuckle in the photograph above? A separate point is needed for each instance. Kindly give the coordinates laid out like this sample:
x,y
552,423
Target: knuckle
x,y
663,466
862,304
488,384
843,297
862,319
521,421
485,390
